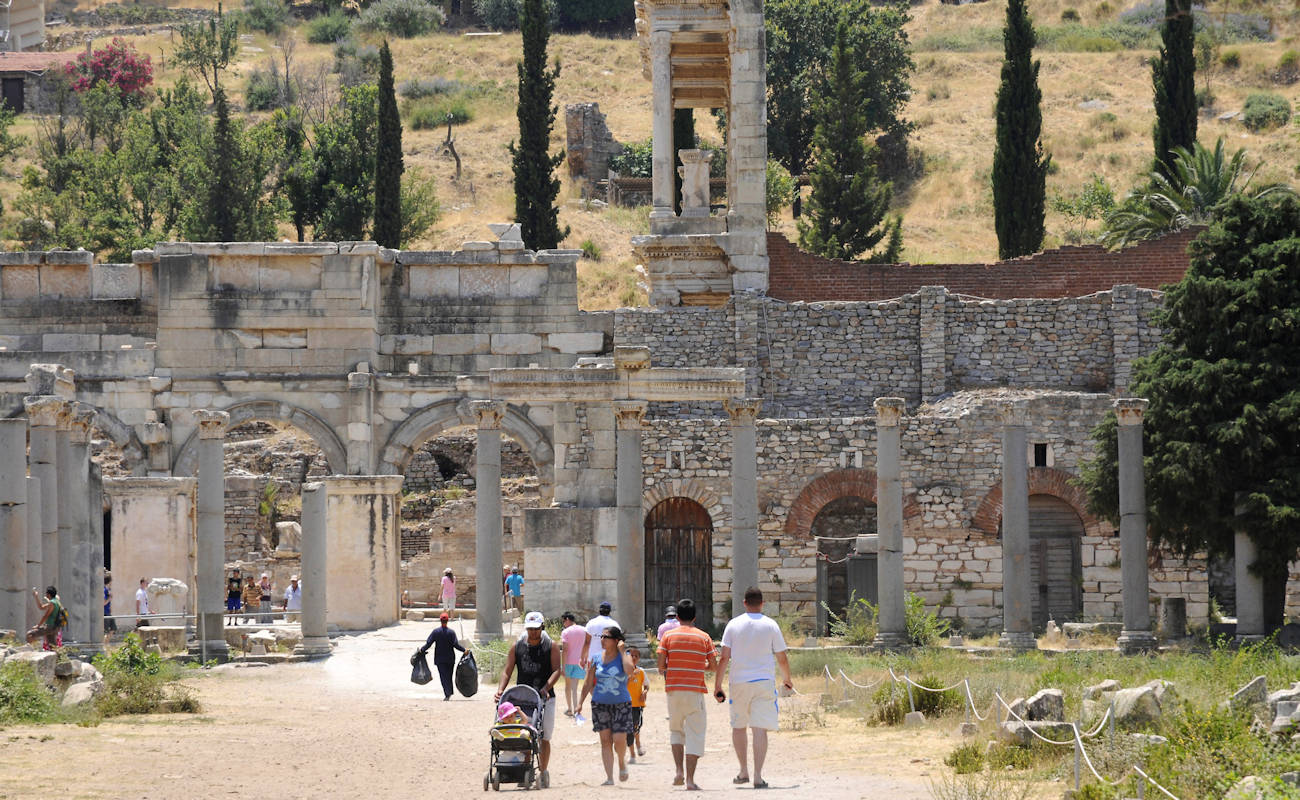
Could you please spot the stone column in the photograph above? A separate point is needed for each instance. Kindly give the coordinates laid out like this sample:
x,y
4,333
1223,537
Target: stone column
x,y
74,498
34,565
95,502
14,597
67,516
1250,587
1136,637
315,636
1017,605
663,153
487,518
747,148
744,498
892,627
361,410
629,606
210,550
43,414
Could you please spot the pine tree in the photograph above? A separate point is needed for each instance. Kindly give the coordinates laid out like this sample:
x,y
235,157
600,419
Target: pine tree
x,y
1019,164
683,139
848,202
1173,77
387,230
535,185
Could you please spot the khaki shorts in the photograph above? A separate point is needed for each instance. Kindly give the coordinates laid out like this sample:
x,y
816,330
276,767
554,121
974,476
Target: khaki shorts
x,y
686,721
753,705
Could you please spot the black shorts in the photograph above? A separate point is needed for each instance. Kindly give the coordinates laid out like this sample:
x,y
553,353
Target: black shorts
x,y
616,717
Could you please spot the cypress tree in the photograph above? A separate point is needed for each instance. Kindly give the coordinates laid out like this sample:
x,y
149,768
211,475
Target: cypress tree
x,y
683,139
1173,77
848,202
387,230
1019,164
225,158
535,185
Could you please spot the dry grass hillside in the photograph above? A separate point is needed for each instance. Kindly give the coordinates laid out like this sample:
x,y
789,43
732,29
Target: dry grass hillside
x,y
1097,119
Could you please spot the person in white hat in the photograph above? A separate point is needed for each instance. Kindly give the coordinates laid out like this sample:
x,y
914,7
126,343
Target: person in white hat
x,y
538,660
264,600
448,592
292,599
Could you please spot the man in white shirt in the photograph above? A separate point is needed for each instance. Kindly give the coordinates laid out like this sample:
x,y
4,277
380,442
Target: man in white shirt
x,y
595,627
292,597
753,645
142,603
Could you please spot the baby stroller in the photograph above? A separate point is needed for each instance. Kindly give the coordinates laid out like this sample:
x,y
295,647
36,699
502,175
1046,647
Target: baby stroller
x,y
514,756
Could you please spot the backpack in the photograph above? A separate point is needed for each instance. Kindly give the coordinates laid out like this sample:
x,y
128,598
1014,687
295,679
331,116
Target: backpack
x,y
59,617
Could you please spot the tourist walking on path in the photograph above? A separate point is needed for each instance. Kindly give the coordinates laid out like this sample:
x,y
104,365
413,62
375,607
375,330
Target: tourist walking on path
x,y
515,586
595,627
573,642
142,603
752,645
611,704
444,644
52,620
448,592
638,690
110,624
685,654
670,622
538,662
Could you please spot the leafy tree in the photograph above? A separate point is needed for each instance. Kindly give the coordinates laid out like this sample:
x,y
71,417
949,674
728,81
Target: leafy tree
x,y
344,157
534,166
1173,77
233,204
846,210
118,65
1222,431
388,158
800,38
207,49
1093,201
10,143
420,207
780,191
1019,164
1190,192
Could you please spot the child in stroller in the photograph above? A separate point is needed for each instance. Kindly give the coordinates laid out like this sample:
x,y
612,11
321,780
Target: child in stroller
x,y
515,740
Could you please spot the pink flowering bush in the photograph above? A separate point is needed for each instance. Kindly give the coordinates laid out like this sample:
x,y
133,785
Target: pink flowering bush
x,y
118,65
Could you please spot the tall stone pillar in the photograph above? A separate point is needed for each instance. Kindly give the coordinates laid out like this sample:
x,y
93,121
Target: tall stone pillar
x,y
892,621
487,517
1250,587
630,558
14,598
315,636
34,566
662,149
210,549
43,413
746,242
67,516
1136,637
74,498
95,499
1017,608
744,498
361,410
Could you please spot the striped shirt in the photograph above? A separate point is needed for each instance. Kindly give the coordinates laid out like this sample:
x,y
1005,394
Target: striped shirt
x,y
686,657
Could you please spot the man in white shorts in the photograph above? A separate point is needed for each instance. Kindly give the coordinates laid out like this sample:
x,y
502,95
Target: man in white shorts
x,y
753,645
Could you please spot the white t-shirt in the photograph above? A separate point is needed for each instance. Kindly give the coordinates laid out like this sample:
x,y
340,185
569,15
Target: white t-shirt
x,y
596,626
142,601
753,639
293,598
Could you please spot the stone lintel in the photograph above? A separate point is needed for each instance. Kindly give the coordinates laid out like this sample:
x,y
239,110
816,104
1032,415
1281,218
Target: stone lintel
x,y
1130,410
51,379
361,484
127,487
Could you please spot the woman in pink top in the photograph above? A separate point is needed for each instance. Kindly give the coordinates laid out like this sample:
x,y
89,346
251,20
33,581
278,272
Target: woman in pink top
x,y
448,591
573,639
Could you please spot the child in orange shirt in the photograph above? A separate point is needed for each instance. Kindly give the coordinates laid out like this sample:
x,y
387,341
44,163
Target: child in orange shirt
x,y
639,690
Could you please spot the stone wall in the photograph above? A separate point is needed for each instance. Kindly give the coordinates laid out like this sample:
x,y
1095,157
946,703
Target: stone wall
x,y
588,144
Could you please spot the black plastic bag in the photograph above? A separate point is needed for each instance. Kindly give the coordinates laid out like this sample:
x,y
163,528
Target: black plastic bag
x,y
420,668
467,675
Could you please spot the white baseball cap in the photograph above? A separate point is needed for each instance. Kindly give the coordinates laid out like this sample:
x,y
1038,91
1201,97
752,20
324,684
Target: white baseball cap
x,y
534,619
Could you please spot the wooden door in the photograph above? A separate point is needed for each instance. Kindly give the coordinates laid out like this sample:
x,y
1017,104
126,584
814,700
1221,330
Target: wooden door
x,y
678,559
12,90
1055,534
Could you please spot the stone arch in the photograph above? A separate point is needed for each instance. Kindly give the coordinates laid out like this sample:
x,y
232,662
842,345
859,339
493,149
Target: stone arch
x,y
119,432
833,486
1042,480
692,489
336,454
443,415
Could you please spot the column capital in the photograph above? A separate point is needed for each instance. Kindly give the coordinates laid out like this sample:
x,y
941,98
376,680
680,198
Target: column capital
x,y
743,410
81,418
212,423
1014,413
628,414
43,411
489,413
889,411
661,43
1130,410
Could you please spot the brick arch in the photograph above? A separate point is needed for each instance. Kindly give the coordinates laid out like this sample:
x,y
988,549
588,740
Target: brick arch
x,y
832,486
693,489
1042,480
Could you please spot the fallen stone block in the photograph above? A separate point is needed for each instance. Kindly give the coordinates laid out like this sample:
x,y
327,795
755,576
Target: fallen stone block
x,y
1105,687
67,669
1138,706
966,729
41,662
1046,705
1165,690
1252,694
1022,733
415,616
1282,696
913,719
88,673
82,693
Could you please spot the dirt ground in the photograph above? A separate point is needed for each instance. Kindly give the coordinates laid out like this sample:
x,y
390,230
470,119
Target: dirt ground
x,y
354,726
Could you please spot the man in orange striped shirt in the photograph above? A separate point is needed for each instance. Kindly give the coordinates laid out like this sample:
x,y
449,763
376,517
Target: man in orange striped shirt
x,y
685,654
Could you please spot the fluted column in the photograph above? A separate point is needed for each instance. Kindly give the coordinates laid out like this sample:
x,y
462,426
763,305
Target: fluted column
x,y
487,517
892,621
630,607
663,153
210,552
744,497
34,566
95,503
75,500
67,517
1017,607
1136,637
43,413
14,595
315,635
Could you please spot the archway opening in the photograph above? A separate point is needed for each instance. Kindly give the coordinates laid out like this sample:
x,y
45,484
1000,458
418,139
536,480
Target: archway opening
x,y
842,573
678,559
1055,561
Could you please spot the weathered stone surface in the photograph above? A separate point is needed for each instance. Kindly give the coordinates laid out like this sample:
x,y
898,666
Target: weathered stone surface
x,y
913,719
415,616
1282,696
1253,694
1047,705
1248,788
1107,686
1022,733
66,669
1165,690
41,663
1138,706
81,693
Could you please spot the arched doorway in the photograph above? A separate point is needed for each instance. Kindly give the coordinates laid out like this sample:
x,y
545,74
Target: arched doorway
x,y
678,559
1055,563
839,573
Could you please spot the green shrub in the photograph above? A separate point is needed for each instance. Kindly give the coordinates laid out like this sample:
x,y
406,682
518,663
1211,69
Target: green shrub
x,y
779,192
1069,15
1288,68
967,758
1204,97
437,112
262,91
329,28
268,16
576,13
590,250
858,625
1207,49
1265,111
23,698
402,18
893,704
923,627
1230,59
428,87
136,682
499,15
636,160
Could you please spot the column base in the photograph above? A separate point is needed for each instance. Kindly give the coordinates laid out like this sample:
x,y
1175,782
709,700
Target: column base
x,y
1248,638
215,650
1135,642
662,212
484,637
1019,641
313,647
890,641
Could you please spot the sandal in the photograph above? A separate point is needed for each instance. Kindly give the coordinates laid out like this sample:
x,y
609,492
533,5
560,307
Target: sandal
x,y
679,781
760,784
739,779
622,774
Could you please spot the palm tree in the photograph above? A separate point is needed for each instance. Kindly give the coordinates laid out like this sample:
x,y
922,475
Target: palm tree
x,y
1201,179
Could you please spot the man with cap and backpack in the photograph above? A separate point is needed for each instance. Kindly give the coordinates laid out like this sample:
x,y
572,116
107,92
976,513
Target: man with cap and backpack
x,y
537,659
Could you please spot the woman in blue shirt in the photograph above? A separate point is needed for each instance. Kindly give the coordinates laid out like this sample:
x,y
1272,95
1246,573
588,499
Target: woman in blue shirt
x,y
611,705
